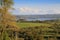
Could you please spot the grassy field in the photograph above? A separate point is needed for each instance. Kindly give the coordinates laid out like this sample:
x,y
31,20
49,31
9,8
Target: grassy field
x,y
24,24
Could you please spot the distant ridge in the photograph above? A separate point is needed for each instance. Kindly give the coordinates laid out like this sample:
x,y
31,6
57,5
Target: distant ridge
x,y
40,16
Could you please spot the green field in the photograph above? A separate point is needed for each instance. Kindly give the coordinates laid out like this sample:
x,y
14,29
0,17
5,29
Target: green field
x,y
24,24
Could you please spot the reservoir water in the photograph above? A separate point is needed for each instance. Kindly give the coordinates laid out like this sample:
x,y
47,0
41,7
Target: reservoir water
x,y
41,19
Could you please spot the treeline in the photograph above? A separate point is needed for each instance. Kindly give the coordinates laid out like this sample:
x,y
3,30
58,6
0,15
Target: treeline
x,y
38,21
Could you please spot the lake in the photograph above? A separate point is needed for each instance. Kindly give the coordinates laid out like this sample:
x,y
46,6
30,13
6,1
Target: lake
x,y
38,17
41,19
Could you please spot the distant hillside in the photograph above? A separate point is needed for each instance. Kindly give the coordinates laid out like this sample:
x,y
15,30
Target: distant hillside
x,y
39,16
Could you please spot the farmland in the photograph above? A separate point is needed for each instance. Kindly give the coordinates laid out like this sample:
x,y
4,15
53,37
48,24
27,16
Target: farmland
x,y
24,24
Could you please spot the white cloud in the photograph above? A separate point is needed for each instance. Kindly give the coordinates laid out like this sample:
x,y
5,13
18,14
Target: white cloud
x,y
29,10
53,11
57,11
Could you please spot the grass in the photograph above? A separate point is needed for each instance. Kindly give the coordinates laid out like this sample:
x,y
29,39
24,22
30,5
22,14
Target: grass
x,y
24,24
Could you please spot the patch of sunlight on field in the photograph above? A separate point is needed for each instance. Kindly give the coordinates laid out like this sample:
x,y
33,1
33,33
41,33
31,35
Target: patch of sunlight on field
x,y
32,24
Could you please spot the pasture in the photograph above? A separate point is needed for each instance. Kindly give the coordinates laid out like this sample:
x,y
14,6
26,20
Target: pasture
x,y
24,24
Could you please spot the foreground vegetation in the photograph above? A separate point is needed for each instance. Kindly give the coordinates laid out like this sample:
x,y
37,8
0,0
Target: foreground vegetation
x,y
40,31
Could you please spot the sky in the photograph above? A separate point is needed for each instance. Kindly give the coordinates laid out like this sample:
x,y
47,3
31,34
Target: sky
x,y
36,7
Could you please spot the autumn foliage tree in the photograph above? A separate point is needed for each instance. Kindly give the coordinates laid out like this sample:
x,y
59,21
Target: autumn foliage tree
x,y
6,19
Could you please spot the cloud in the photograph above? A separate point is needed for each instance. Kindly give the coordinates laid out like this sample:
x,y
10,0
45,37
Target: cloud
x,y
54,11
29,10
57,11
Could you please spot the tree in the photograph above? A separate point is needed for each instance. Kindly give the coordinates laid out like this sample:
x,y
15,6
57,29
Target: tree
x,y
6,19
